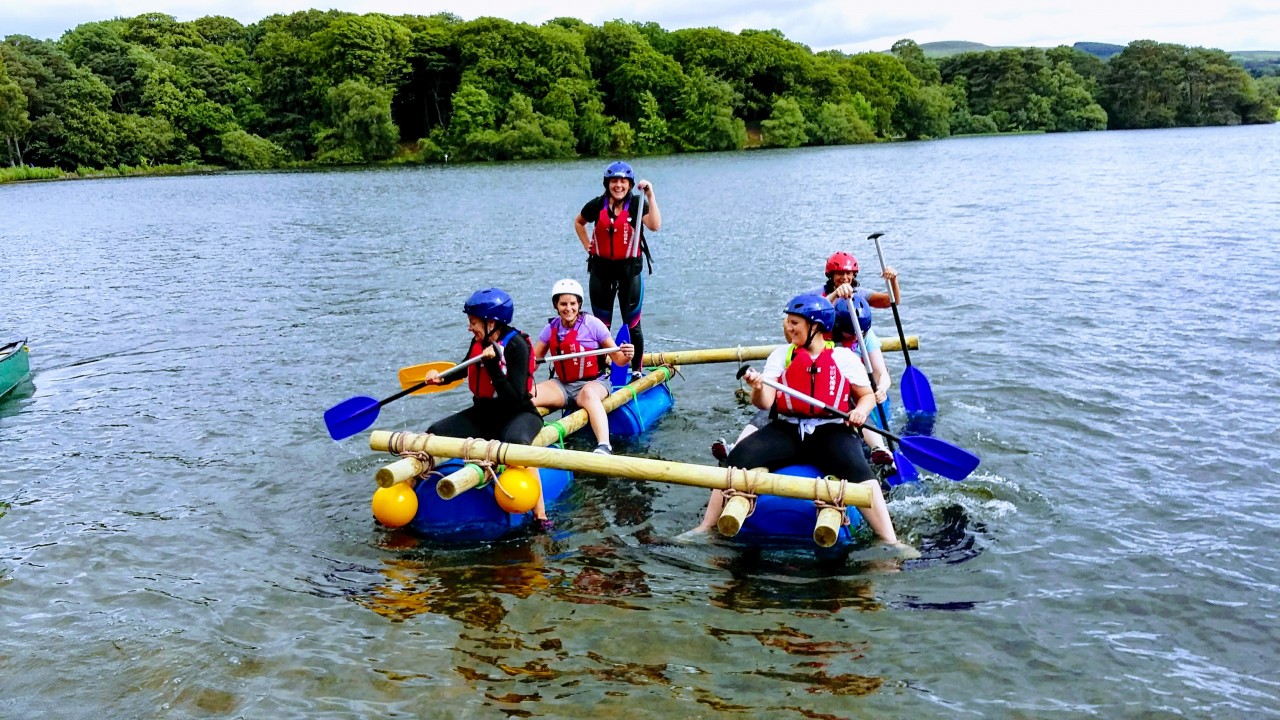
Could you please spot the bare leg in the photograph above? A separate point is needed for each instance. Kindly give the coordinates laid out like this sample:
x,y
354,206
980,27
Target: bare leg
x,y
590,399
547,394
877,516
712,514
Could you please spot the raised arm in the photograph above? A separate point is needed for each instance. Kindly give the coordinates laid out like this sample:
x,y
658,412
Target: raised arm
x,y
652,218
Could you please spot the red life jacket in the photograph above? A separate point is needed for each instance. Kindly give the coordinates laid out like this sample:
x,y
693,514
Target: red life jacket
x,y
573,370
614,237
478,377
819,378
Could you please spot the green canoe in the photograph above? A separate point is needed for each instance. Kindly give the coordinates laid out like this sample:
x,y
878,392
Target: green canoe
x,y
14,367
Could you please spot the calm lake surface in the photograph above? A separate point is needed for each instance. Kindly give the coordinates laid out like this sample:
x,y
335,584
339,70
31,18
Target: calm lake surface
x,y
1098,316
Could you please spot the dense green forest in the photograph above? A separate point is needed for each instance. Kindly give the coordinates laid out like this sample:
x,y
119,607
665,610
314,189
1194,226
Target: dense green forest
x,y
335,87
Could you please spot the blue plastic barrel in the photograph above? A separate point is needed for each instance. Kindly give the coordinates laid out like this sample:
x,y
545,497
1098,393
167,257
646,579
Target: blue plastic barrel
x,y
641,412
474,516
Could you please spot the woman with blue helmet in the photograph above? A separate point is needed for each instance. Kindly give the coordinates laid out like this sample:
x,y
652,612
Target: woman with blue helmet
x,y
501,383
847,309
800,433
615,247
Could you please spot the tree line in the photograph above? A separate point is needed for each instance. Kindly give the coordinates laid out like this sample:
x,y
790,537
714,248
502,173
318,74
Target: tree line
x,y
336,87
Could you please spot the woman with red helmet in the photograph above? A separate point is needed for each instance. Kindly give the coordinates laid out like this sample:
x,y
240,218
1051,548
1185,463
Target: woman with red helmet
x,y
802,433
842,281
615,246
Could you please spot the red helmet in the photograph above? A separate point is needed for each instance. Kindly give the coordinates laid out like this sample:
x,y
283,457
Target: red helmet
x,y
841,262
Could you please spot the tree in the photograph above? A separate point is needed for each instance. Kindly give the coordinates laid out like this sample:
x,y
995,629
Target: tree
x,y
247,151
785,126
706,120
360,128
525,135
68,107
653,134
914,59
14,118
626,67
473,112
371,48
926,113
843,123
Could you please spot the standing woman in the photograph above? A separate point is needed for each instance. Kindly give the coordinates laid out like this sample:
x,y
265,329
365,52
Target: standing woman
x,y
614,250
801,433
501,384
583,382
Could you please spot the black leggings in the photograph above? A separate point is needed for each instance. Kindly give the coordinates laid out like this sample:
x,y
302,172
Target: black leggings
x,y
833,448
621,278
478,422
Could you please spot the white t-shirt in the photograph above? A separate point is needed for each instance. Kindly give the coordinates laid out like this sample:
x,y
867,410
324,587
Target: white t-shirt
x,y
850,367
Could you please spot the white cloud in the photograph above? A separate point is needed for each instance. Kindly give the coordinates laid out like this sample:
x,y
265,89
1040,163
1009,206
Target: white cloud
x,y
820,24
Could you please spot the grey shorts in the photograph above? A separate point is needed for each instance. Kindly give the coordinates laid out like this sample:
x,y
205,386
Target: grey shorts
x,y
572,389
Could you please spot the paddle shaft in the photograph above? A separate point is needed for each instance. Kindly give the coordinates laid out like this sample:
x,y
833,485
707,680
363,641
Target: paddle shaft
x,y
575,356
893,299
445,377
865,353
819,404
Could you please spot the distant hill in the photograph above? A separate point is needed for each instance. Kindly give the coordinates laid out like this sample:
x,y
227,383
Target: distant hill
x,y
1099,50
1257,62
947,48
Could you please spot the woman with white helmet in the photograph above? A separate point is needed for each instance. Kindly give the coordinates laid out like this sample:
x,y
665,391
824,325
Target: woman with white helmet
x,y
582,382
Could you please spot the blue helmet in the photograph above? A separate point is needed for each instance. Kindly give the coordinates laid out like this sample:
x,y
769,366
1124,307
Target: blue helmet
x,y
845,311
491,304
618,170
814,308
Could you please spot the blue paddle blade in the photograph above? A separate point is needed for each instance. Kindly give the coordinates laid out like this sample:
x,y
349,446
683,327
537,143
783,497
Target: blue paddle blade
x,y
919,424
620,375
917,396
906,471
939,456
350,417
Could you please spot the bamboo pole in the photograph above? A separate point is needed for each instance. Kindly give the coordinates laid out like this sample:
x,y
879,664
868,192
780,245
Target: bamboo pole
x,y
743,354
733,515
467,477
677,473
827,530
573,422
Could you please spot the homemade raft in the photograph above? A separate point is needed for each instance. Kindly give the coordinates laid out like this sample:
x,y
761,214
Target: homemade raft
x,y
830,495
445,514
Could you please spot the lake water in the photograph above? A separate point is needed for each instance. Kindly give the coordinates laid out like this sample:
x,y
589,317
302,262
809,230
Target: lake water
x,y
1098,317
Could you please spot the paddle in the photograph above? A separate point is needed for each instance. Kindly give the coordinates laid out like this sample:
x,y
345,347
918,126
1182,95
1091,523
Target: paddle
x,y
906,471
620,375
357,414
917,396
412,376
930,453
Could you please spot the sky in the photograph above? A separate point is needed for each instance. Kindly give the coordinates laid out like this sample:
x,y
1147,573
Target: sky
x,y
846,25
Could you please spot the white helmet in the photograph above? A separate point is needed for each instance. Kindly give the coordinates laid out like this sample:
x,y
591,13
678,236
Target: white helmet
x,y
568,285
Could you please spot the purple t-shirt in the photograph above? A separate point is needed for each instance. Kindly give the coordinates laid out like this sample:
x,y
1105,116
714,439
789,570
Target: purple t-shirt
x,y
591,331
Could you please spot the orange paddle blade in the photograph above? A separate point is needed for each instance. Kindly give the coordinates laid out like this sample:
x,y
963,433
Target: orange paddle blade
x,y
412,375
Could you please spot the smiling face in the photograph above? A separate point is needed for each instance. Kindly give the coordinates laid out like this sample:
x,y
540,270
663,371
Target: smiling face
x,y
619,187
567,306
843,277
477,326
795,329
